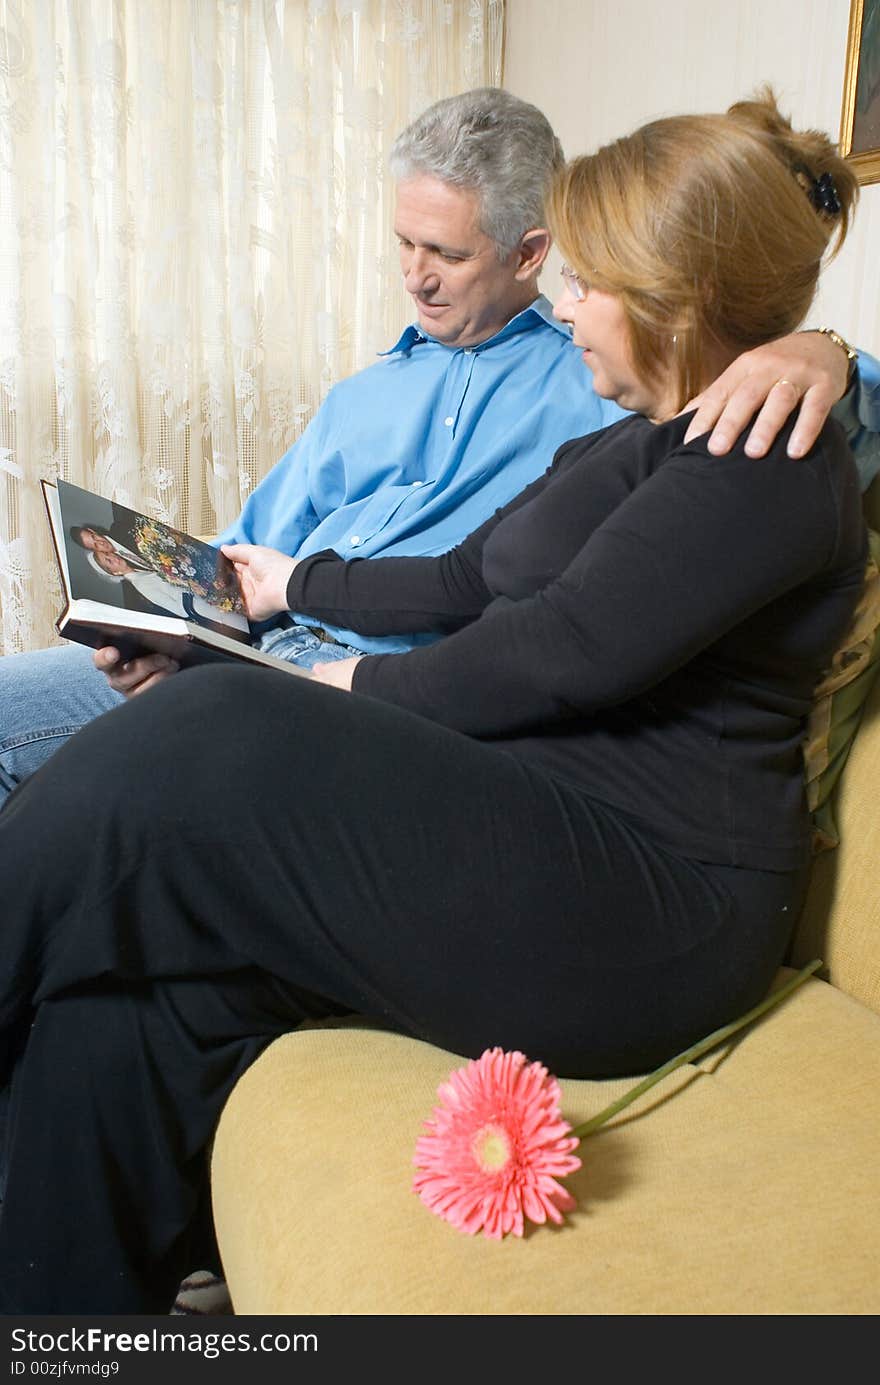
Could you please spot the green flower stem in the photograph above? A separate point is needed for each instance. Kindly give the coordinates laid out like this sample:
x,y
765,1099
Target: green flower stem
x,y
696,1051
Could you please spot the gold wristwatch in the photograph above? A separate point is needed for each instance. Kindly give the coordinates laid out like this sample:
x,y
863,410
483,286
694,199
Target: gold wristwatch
x,y
852,355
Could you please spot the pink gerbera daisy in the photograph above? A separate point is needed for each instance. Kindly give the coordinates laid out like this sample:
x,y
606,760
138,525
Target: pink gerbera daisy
x,y
494,1147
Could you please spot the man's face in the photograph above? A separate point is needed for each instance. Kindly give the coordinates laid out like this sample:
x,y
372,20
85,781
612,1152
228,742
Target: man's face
x,y
462,292
98,543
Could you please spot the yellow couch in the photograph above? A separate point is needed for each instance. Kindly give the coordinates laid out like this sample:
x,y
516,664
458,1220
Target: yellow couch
x,y
746,1184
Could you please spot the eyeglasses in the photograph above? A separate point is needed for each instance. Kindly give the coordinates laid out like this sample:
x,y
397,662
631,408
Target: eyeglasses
x,y
574,283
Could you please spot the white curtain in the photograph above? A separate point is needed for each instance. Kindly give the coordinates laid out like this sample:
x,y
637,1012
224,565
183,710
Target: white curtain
x,y
195,241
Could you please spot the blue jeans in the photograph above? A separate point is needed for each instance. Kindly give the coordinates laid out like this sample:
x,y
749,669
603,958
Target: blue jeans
x,y
48,695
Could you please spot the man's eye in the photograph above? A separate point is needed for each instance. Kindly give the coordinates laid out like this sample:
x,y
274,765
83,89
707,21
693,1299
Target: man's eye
x,y
452,259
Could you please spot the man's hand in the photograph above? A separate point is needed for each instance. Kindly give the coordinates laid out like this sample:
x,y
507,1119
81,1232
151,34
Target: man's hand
x,y
135,675
805,369
263,575
338,673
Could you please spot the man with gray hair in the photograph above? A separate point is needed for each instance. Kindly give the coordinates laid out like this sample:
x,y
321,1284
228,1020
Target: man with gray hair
x,y
466,408
490,143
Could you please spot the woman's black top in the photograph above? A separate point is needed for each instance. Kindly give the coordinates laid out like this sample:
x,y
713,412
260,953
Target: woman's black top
x,y
645,621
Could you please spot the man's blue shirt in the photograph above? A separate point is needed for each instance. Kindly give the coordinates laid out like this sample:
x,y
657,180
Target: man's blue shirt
x,y
411,455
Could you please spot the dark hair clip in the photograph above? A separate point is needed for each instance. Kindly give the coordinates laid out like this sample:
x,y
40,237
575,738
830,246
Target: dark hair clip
x,y
821,191
823,195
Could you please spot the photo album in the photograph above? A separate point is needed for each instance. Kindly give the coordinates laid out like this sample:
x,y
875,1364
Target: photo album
x,y
138,584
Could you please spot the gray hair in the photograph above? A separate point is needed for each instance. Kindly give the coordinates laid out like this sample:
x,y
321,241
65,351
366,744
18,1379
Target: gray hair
x,y
492,142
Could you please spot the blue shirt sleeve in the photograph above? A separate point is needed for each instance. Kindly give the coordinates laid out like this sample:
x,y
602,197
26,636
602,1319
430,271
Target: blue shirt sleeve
x,y
859,414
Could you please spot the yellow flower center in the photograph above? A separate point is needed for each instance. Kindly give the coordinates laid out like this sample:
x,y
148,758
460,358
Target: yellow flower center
x,y
491,1148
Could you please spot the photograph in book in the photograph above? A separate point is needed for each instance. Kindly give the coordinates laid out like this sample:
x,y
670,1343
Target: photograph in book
x,y
140,585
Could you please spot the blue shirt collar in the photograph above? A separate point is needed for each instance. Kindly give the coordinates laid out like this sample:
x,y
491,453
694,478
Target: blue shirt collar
x,y
538,311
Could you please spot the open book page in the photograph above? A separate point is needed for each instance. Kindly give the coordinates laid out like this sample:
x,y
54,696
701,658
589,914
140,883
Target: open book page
x,y
142,586
122,558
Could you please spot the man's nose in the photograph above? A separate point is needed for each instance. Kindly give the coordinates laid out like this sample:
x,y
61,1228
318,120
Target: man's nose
x,y
421,275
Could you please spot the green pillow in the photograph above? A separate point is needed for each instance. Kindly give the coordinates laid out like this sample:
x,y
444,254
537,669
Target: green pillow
x,y
838,703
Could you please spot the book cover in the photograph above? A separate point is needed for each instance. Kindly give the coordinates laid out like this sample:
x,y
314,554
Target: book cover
x,y
140,585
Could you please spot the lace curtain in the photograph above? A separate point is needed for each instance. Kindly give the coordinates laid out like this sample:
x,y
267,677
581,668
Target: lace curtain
x,y
195,241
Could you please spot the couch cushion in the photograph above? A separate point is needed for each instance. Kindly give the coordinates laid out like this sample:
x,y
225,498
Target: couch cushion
x,y
838,703
841,918
744,1186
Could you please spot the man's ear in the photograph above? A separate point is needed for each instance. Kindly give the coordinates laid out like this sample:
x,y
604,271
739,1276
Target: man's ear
x,y
532,251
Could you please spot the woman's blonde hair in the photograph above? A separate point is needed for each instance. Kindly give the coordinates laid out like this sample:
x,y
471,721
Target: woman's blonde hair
x,y
707,228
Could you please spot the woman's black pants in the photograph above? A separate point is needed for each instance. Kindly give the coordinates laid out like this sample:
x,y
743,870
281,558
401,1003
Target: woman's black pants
x,y
237,850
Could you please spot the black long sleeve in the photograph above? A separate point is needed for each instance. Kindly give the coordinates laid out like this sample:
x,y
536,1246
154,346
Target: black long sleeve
x,y
692,552
658,618
390,596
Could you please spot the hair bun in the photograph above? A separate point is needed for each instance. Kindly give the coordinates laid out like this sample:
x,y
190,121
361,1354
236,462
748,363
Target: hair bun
x,y
825,177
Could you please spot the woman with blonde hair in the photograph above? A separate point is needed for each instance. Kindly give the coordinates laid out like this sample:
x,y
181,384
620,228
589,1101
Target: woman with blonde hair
x,y
710,231
575,826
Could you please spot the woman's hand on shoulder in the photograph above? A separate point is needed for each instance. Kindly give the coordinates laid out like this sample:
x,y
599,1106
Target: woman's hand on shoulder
x,y
263,575
804,371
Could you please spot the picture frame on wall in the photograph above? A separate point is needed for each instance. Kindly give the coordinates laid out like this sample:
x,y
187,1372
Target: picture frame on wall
x,y
860,116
